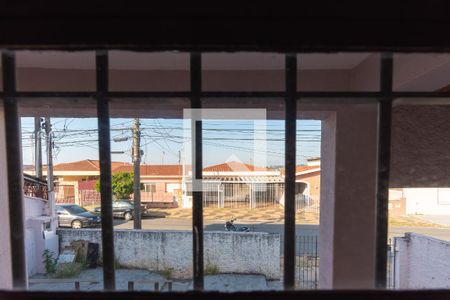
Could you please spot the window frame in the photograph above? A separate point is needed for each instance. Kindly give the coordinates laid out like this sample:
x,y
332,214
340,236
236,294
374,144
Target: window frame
x,y
384,97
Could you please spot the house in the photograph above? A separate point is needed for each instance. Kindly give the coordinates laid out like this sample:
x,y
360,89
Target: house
x,y
161,184
75,181
427,201
235,184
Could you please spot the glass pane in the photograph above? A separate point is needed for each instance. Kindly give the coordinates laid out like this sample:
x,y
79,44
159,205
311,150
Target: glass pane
x,y
158,257
156,71
55,71
427,72
61,143
419,205
338,72
242,72
243,189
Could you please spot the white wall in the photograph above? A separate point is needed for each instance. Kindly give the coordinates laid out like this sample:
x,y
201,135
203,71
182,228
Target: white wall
x,y
427,201
33,208
231,252
422,262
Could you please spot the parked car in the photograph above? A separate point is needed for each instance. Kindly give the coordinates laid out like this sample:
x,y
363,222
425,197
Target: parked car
x,y
123,209
75,216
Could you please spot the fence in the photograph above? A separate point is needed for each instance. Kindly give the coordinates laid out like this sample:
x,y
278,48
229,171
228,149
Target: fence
x,y
305,203
307,263
64,193
242,195
391,257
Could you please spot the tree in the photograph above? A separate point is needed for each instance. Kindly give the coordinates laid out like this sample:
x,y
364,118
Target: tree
x,y
122,185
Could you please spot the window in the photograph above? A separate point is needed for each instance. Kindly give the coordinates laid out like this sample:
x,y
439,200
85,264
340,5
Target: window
x,y
315,114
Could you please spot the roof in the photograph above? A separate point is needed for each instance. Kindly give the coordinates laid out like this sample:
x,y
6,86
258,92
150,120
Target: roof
x,y
234,166
245,179
85,165
154,170
301,169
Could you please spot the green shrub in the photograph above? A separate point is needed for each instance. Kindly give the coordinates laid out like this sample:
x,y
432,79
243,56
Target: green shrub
x,y
49,261
211,269
68,270
167,273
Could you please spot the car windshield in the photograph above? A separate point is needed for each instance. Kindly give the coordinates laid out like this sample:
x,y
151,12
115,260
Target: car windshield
x,y
75,209
124,203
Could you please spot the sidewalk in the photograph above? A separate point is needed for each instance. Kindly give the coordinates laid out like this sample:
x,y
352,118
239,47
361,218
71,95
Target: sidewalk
x,y
242,214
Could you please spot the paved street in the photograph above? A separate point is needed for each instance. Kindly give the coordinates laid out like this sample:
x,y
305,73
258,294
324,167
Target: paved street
x,y
272,227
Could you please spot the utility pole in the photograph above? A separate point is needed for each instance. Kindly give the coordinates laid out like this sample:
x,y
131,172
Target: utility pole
x,y
48,133
50,181
37,148
137,173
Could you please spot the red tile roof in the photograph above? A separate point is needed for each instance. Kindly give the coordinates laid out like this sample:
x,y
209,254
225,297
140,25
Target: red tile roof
x,y
154,170
299,169
234,166
85,165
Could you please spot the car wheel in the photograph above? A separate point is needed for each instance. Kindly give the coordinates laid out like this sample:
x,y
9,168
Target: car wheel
x,y
77,224
128,216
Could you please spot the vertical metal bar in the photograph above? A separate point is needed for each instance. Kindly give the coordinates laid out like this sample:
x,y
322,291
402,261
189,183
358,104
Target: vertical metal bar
x,y
197,156
156,286
15,177
131,285
315,262
105,171
383,161
77,285
289,187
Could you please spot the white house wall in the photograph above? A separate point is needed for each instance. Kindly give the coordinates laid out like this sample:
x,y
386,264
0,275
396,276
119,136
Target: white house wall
x,y
427,201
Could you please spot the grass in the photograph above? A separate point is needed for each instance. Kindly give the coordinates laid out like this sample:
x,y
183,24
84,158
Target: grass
x,y
68,270
211,269
167,273
409,221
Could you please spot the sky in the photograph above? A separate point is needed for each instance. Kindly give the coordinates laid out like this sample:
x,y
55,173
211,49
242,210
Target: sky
x,y
164,141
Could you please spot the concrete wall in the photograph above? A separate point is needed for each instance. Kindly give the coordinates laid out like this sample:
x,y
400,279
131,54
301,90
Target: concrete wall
x,y
33,208
422,262
255,252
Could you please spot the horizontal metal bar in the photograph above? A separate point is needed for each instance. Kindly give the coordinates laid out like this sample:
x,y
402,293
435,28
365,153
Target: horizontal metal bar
x,y
231,94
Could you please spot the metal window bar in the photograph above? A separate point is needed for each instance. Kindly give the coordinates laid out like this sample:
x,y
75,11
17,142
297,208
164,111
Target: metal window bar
x,y
290,155
109,281
339,97
197,163
383,166
15,176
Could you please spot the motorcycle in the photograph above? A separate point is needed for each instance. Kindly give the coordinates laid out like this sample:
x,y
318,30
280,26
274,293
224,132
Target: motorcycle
x,y
229,226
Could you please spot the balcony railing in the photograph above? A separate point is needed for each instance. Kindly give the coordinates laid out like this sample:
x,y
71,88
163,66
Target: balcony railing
x,y
35,187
